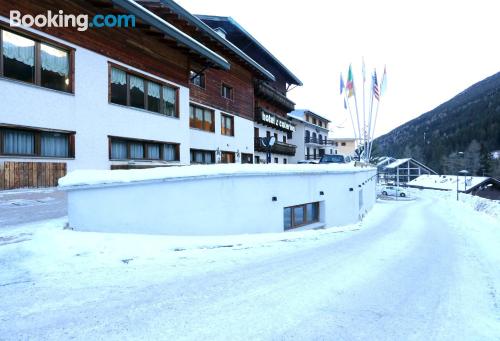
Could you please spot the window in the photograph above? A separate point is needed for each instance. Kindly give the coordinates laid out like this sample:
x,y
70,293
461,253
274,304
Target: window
x,y
268,134
32,61
300,215
226,91
256,132
257,159
227,157
276,160
136,90
285,161
202,156
343,143
284,138
36,143
201,118
131,149
142,93
227,125
118,86
246,158
197,79
320,139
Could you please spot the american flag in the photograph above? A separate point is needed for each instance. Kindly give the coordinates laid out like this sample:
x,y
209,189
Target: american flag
x,y
375,86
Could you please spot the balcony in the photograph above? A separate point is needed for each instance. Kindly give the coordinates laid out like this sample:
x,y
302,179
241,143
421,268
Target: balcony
x,y
268,92
315,140
277,148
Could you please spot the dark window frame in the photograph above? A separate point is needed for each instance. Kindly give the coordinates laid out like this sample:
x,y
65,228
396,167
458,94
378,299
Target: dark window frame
x,y
233,154
38,40
37,147
146,79
145,143
210,111
203,151
293,225
225,86
224,129
198,75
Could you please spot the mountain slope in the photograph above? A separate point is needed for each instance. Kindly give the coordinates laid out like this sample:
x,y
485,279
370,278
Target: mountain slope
x,y
439,134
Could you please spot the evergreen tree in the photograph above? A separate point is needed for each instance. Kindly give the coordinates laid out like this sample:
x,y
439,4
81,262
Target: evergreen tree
x,y
485,161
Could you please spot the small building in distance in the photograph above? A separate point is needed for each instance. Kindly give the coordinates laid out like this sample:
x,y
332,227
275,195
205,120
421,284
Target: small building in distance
x,y
342,145
401,171
482,186
311,135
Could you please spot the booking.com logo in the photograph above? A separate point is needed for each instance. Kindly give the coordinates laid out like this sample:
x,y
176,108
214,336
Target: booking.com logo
x,y
82,22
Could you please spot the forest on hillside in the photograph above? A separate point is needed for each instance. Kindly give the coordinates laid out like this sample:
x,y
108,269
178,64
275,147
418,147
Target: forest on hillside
x,y
459,134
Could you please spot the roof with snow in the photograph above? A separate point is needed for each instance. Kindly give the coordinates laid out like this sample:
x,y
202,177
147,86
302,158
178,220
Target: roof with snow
x,y
398,162
85,178
449,182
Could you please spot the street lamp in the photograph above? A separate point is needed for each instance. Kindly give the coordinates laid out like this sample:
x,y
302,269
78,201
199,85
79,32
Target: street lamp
x,y
464,173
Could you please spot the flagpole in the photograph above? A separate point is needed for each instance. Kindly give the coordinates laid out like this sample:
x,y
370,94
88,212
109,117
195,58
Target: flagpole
x,y
357,113
375,124
350,114
370,123
364,112
382,89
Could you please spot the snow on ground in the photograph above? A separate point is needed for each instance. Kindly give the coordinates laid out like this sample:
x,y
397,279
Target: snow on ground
x,y
420,269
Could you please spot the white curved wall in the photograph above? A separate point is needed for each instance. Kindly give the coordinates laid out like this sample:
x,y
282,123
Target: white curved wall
x,y
215,205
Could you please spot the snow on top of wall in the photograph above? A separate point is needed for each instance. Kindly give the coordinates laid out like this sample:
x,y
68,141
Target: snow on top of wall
x,y
98,177
447,182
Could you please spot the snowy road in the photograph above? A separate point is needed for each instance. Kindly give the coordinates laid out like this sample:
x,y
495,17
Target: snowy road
x,y
419,270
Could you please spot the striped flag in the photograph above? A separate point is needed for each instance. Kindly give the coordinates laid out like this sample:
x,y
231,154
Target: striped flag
x,y
350,83
342,85
376,93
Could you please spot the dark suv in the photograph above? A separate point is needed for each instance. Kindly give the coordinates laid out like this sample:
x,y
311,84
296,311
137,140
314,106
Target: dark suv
x,y
334,159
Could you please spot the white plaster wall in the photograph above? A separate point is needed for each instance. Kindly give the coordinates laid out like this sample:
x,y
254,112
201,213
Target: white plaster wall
x,y
298,139
216,205
89,114
242,140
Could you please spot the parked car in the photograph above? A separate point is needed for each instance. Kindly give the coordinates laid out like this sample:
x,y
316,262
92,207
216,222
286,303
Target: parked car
x,y
394,191
334,158
308,161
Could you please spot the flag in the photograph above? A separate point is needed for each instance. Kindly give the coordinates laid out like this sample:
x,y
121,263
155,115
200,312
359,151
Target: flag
x,y
363,70
350,83
342,85
376,93
383,83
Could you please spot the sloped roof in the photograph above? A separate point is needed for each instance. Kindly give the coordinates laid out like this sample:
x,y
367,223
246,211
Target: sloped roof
x,y
399,162
230,25
168,29
449,182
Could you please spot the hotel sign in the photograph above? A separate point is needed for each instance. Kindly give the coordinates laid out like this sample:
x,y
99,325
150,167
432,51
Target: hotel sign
x,y
276,121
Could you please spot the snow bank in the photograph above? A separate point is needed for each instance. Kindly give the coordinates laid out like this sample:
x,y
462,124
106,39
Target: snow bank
x,y
95,177
490,207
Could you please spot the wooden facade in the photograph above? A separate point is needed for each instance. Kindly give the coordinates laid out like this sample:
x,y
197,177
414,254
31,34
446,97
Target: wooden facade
x,y
141,47
239,79
30,174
